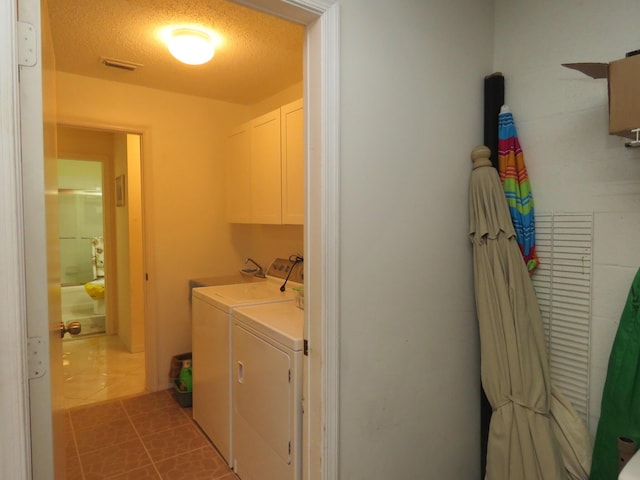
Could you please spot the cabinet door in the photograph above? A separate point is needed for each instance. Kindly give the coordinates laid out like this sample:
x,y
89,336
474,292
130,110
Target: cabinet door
x,y
292,119
266,205
238,176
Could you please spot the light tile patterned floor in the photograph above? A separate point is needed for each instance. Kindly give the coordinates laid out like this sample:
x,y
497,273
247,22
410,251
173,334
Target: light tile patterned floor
x,y
100,368
142,437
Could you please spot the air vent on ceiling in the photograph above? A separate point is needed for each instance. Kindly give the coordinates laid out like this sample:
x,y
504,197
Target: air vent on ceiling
x,y
121,64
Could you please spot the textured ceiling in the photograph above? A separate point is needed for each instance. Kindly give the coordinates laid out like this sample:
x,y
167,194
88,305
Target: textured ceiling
x,y
259,55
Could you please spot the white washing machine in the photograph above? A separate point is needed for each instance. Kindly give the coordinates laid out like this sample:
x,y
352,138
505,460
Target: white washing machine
x,y
267,391
211,346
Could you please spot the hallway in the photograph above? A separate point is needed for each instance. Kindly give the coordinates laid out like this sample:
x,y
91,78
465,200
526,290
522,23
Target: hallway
x,y
98,368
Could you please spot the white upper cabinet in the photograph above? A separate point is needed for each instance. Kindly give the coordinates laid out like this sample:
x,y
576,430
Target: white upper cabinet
x,y
266,188
292,133
265,169
238,176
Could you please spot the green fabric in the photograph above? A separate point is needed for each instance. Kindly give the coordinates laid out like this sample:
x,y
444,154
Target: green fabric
x,y
620,412
186,384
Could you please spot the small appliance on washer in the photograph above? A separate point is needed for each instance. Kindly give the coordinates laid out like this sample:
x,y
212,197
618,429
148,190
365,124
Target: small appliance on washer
x,y
267,391
211,345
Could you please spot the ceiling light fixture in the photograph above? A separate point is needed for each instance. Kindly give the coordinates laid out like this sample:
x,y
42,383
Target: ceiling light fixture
x,y
191,46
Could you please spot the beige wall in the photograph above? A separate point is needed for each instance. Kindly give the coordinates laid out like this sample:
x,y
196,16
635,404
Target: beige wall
x,y
186,234
133,205
129,242
411,105
121,237
83,144
265,242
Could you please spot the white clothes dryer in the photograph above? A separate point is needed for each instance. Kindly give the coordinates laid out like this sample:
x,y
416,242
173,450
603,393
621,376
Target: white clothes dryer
x,y
267,391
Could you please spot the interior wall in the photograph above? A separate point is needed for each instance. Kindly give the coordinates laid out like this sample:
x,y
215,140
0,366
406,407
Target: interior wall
x,y
562,121
92,144
129,242
411,112
122,252
185,227
267,242
133,204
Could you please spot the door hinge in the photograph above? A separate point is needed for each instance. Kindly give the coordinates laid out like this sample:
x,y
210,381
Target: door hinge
x,y
289,448
289,376
36,361
27,44
306,347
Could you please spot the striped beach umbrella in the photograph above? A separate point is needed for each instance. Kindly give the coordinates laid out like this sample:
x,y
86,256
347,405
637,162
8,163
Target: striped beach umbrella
x,y
517,188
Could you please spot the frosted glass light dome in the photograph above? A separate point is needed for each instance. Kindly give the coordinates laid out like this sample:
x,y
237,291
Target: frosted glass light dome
x,y
191,46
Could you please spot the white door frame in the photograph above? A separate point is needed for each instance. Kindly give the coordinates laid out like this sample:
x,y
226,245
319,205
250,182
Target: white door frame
x,y
150,298
321,231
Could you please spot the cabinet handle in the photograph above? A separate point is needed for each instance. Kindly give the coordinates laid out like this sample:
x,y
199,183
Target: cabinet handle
x,y
240,372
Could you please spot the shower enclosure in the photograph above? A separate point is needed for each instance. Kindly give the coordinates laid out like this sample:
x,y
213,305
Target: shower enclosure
x,y
81,227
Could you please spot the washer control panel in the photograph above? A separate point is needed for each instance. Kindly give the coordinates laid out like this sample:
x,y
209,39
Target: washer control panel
x,y
281,267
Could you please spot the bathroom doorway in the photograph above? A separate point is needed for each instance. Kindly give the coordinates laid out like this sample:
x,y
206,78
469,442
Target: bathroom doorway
x,y
82,248
101,263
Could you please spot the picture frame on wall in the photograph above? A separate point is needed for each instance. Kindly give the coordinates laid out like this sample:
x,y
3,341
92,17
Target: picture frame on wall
x,y
120,191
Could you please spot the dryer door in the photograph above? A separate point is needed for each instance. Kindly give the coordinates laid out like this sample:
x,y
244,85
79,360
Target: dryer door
x,y
262,406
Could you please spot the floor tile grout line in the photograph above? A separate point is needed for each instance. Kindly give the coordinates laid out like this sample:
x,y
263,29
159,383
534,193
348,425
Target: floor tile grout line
x,y
152,462
116,402
145,410
202,447
141,438
210,443
96,426
192,423
146,451
75,445
161,430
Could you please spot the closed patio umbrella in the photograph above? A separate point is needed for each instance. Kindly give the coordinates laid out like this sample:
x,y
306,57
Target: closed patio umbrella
x,y
514,366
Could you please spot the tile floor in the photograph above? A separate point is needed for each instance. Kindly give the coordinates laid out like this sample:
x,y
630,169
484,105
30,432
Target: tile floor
x,y
142,437
99,368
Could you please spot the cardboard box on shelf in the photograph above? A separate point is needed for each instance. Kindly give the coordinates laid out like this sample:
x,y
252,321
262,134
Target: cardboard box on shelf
x,y
623,78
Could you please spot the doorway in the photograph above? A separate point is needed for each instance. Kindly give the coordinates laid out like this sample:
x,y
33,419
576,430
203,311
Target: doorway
x,y
321,87
101,263
82,249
